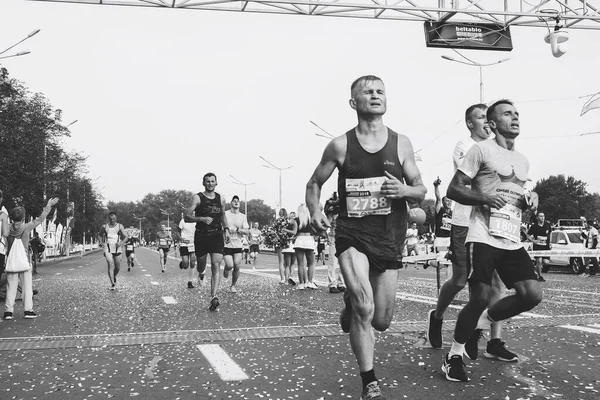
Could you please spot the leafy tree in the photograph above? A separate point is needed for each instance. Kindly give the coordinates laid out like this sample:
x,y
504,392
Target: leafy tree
x,y
566,197
260,212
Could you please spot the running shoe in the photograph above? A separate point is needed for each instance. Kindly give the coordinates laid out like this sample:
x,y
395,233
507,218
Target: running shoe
x,y
472,345
282,282
200,279
128,269
455,369
372,392
190,285
311,285
301,286
30,315
333,289
8,315
233,289
541,279
341,288
346,313
180,264
495,349
214,303
434,331
292,282
163,269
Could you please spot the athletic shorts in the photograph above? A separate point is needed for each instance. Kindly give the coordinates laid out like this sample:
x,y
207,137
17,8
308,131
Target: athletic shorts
x,y
2,264
380,238
246,250
304,242
164,249
229,251
539,247
254,248
512,265
458,246
129,252
186,251
208,244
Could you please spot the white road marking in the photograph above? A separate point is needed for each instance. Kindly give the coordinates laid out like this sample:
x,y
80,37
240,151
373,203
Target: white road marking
x,y
223,365
147,275
582,328
150,369
169,300
572,291
58,273
154,283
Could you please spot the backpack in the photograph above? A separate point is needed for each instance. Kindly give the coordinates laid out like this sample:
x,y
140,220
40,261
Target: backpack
x,y
17,260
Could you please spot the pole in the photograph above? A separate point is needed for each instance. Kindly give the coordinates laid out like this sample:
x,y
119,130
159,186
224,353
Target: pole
x,y
280,201
481,84
245,201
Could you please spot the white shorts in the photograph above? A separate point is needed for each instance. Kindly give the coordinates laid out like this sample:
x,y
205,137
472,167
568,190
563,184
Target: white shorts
x,y
289,249
305,242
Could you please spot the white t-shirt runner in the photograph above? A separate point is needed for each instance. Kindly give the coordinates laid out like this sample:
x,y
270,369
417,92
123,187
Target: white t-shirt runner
x,y
461,214
188,230
494,169
235,221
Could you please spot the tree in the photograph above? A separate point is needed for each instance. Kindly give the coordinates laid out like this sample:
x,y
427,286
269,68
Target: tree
x,y
260,212
562,197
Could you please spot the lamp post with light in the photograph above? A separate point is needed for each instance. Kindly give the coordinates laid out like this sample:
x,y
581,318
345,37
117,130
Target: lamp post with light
x,y
273,166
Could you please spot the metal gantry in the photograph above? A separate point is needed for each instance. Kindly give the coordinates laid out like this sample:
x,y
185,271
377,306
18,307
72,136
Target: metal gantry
x,y
575,14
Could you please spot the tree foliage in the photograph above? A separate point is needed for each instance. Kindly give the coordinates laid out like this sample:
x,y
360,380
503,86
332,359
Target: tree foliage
x,y
566,197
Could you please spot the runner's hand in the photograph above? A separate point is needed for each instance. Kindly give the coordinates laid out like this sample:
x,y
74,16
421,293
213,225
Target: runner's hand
x,y
319,222
533,200
208,220
392,188
52,202
227,235
496,201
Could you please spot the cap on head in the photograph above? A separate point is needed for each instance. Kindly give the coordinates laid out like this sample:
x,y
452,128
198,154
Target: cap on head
x,y
235,197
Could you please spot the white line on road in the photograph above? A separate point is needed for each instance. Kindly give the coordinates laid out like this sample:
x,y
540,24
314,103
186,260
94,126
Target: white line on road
x,y
581,328
223,365
169,300
154,283
147,275
573,291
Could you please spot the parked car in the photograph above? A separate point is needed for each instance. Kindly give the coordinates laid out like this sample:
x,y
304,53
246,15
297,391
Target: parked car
x,y
566,236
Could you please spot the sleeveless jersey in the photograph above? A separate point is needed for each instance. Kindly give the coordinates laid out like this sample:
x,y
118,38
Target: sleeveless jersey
x,y
443,222
209,208
112,237
380,222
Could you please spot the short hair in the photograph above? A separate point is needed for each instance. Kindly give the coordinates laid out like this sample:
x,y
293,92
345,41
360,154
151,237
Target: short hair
x,y
365,78
235,197
112,213
491,111
17,214
208,175
473,108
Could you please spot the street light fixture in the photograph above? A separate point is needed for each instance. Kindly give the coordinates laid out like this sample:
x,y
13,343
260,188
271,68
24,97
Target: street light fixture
x,y
273,166
168,214
327,134
140,219
475,64
21,53
238,182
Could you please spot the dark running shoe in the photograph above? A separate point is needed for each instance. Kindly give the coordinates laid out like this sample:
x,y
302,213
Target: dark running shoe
x,y
455,369
541,279
8,315
472,345
334,289
292,282
30,315
346,314
372,392
495,349
35,291
434,331
214,303
190,285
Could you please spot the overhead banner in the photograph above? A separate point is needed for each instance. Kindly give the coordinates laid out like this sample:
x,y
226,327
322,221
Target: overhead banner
x,y
468,35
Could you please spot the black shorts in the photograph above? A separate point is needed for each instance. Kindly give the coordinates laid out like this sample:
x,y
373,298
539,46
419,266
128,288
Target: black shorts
x,y
541,247
458,246
380,238
2,266
208,244
129,252
254,248
512,265
228,251
164,249
185,251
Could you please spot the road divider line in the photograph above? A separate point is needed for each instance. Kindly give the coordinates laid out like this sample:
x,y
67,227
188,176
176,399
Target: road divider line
x,y
581,328
154,283
169,300
224,366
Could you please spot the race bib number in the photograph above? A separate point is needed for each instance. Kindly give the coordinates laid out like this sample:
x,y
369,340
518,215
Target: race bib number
x,y
541,240
130,247
163,242
506,223
446,224
363,197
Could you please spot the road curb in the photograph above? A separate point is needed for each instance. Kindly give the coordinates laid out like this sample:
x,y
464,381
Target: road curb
x,y
59,259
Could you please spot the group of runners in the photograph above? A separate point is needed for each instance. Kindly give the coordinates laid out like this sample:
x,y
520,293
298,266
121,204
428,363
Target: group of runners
x,y
378,177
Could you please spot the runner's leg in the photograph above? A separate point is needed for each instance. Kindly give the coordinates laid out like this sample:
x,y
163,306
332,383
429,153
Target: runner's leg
x,y
235,274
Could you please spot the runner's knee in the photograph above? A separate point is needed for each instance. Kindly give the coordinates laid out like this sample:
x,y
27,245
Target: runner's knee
x,y
532,298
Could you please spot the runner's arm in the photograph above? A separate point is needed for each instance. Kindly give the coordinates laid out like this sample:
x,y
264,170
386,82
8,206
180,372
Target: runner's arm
x,y
189,212
224,223
438,197
333,156
123,234
5,228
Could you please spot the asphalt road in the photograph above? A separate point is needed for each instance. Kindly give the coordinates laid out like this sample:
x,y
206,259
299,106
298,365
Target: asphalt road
x,y
270,341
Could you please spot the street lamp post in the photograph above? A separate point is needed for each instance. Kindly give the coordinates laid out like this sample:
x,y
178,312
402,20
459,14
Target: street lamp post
x,y
327,134
475,64
21,53
168,218
238,182
140,219
272,166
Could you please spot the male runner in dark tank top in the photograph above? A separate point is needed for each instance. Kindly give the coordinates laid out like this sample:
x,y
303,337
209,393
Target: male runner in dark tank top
x,y
377,175
208,212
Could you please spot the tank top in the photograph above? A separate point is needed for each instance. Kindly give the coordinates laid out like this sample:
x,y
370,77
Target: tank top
x,y
112,237
209,208
361,176
443,223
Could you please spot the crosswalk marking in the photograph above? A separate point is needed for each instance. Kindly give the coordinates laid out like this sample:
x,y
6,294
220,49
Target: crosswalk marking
x,y
223,365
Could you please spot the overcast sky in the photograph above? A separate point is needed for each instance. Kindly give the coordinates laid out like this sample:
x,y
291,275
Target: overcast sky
x,y
163,96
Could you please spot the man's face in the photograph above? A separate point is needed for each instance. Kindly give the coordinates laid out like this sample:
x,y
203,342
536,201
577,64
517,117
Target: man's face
x,y
506,121
256,225
210,183
163,228
541,218
413,225
368,98
235,204
478,124
447,202
112,218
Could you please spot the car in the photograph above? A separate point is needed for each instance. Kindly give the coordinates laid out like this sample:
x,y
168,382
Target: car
x,y
567,236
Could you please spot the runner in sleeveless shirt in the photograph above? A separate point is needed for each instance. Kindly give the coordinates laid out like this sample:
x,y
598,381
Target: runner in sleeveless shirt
x,y
207,210
130,251
540,233
476,121
374,163
491,179
164,245
111,232
254,239
443,219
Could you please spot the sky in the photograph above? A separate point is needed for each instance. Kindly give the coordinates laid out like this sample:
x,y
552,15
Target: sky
x,y
163,96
